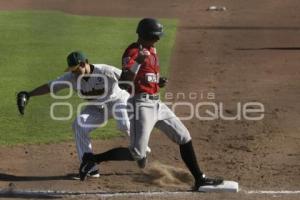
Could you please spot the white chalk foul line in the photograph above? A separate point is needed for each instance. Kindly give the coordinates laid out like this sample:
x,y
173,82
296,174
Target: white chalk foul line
x,y
273,192
16,192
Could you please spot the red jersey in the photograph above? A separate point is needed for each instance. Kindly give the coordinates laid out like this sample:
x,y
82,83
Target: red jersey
x,y
147,78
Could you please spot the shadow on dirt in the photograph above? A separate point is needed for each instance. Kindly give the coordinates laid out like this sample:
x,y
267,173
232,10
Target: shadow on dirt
x,y
73,176
9,177
28,196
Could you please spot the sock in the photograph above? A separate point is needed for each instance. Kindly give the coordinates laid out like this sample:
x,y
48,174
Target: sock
x,y
115,154
188,156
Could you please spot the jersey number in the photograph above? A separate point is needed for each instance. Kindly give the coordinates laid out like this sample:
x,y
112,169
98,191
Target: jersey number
x,y
152,78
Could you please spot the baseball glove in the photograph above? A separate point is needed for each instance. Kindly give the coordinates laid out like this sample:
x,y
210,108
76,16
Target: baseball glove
x,y
22,100
162,81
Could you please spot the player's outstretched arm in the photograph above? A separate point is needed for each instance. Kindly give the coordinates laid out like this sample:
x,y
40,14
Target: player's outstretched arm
x,y
41,90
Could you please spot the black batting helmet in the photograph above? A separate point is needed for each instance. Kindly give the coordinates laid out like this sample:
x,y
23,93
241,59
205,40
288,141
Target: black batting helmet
x,y
149,28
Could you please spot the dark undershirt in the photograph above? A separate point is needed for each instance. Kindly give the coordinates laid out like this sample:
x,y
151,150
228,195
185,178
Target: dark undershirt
x,y
86,78
94,92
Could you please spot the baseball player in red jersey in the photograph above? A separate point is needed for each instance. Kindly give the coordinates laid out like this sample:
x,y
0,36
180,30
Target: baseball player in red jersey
x,y
141,66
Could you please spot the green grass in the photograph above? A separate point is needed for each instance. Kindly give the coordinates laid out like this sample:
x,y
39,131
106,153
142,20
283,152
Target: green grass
x,y
33,50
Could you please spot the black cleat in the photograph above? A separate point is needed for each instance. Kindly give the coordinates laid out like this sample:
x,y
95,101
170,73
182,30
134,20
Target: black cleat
x,y
205,181
86,165
94,174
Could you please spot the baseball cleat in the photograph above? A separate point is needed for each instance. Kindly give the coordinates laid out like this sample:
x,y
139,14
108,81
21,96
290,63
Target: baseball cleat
x,y
94,174
225,186
205,181
86,165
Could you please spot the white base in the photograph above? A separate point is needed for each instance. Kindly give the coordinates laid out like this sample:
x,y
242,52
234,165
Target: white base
x,y
226,186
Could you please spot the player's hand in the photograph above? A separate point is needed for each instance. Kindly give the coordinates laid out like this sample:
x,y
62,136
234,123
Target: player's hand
x,y
162,81
22,100
143,54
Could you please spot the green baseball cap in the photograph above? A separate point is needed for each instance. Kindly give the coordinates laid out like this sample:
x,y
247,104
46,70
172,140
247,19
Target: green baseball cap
x,y
74,59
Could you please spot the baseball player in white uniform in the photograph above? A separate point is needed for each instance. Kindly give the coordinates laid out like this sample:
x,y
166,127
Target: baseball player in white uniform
x,y
98,84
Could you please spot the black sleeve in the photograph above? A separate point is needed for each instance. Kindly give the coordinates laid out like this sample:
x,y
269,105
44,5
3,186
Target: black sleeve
x,y
126,76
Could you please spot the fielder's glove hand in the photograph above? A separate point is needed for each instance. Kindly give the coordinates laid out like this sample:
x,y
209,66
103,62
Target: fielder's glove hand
x,y
162,81
22,100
